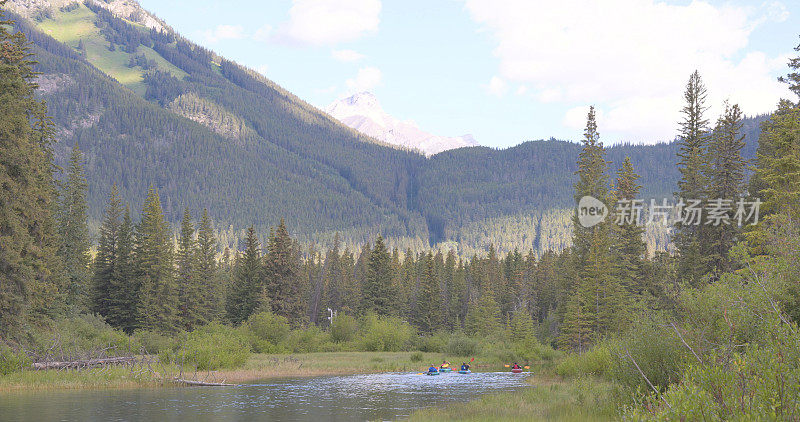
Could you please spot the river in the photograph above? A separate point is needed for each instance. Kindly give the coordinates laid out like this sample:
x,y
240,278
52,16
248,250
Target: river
x,y
384,396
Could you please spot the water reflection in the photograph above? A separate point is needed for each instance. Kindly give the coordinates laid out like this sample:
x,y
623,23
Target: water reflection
x,y
335,398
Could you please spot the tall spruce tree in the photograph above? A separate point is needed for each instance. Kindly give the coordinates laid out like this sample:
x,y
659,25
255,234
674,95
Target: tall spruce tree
x,y
630,247
106,258
283,281
378,295
245,291
207,272
190,293
124,299
598,302
29,283
428,309
691,237
592,181
73,231
726,183
158,295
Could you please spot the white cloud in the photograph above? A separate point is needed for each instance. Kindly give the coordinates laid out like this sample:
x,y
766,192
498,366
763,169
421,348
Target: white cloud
x,y
263,34
777,12
366,79
224,32
347,55
329,22
632,57
496,87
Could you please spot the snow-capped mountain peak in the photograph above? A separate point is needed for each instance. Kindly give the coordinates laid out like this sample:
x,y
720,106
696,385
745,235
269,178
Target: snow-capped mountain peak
x,y
364,113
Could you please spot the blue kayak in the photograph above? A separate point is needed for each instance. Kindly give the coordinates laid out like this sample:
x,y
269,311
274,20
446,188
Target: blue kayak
x,y
445,369
432,373
465,371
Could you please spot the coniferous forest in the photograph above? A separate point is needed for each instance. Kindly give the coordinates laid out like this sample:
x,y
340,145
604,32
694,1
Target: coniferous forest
x,y
103,250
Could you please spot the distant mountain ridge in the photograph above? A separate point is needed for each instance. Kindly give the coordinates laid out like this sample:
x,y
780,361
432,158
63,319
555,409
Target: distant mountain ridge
x,y
363,112
149,107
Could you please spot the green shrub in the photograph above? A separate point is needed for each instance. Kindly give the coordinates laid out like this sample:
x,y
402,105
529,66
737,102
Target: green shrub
x,y
213,346
385,334
82,335
307,340
153,342
461,345
658,352
267,332
12,361
597,362
344,328
435,343
416,357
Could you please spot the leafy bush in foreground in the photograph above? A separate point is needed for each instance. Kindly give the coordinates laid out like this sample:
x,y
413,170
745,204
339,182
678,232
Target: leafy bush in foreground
x,y
385,334
267,332
211,347
11,361
344,328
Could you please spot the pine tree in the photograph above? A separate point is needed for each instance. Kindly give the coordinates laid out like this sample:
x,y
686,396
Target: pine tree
x,y
428,315
631,249
124,300
29,282
206,272
332,278
592,181
726,183
190,294
283,282
378,296
106,258
483,316
73,233
598,303
244,294
691,237
153,254
777,174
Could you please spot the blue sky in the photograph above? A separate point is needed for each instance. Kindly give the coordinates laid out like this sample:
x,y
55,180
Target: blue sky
x,y
508,71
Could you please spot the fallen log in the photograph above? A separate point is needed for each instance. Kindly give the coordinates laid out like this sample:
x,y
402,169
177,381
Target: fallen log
x,y
203,383
88,363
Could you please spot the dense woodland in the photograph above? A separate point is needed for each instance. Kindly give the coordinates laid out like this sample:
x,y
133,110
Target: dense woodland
x,y
711,327
211,134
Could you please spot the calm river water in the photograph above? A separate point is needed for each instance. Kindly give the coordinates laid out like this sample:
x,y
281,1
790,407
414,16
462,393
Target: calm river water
x,y
333,398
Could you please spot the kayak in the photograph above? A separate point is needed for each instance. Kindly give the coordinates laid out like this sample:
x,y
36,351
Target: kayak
x,y
516,371
432,373
465,371
445,369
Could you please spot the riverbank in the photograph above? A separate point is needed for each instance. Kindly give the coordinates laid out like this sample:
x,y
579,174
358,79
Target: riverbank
x,y
548,398
257,367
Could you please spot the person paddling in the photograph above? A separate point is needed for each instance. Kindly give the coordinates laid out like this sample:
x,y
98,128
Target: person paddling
x,y
516,366
433,369
445,364
465,366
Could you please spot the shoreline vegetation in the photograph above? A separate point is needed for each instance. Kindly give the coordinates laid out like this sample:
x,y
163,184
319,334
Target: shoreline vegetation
x,y
707,331
257,367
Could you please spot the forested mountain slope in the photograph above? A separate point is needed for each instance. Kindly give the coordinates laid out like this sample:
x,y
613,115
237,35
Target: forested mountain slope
x,y
149,107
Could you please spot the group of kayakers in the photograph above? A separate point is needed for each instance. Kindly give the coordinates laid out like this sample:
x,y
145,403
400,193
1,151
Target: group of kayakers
x,y
446,367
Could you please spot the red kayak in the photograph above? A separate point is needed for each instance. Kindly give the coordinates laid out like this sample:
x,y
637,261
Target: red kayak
x,y
516,371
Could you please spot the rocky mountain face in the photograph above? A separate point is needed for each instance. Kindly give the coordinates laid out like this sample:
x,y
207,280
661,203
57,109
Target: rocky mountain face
x,y
364,113
125,9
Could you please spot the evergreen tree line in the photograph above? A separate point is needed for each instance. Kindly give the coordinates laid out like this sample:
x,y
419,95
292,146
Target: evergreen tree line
x,y
294,161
